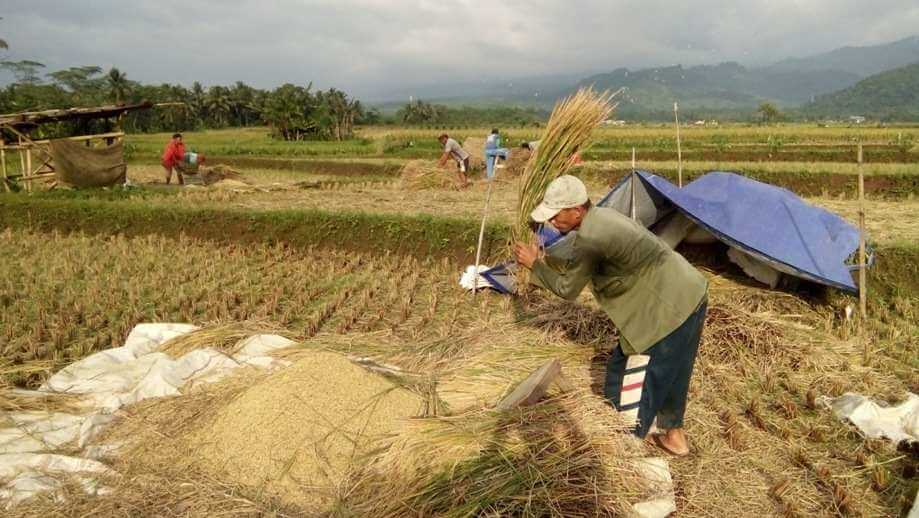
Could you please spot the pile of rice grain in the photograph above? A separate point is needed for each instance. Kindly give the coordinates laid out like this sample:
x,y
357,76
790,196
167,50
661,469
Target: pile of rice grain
x,y
296,434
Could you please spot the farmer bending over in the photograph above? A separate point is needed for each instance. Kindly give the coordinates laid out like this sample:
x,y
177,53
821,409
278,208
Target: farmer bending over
x,y
454,150
173,157
655,298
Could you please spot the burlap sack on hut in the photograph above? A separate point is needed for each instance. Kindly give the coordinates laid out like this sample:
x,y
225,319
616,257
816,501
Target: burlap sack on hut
x,y
81,166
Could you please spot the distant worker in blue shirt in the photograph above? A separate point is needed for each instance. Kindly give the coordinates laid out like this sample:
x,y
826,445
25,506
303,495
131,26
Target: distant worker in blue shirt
x,y
493,150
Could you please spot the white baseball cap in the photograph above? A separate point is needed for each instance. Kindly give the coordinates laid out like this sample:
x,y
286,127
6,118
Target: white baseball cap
x,y
564,192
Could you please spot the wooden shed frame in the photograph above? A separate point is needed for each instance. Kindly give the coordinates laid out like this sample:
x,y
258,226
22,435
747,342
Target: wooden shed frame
x,y
35,154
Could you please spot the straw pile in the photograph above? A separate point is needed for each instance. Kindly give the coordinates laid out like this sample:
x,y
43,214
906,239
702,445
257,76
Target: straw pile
x,y
421,175
475,146
211,175
567,132
225,338
551,459
296,434
516,163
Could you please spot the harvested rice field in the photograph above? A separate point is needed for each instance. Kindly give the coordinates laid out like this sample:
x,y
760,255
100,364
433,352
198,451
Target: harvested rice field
x,y
762,442
338,368
887,220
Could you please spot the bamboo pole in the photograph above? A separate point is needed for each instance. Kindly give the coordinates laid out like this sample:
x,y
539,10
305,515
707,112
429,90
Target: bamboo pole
x,y
6,187
862,281
632,186
478,249
28,171
679,150
22,156
114,134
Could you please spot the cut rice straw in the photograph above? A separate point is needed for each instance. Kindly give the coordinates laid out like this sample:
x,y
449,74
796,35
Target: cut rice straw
x,y
567,132
223,337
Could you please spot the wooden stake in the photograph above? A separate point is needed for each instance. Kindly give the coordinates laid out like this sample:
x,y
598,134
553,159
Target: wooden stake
x,y
679,151
22,158
28,171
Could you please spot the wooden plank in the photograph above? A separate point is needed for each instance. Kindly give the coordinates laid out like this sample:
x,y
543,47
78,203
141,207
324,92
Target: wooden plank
x,y
533,388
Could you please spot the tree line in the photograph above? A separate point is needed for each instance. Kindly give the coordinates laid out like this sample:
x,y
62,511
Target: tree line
x,y
292,112
420,113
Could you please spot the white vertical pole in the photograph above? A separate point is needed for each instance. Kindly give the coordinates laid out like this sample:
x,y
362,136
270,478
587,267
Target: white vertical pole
x,y
862,281
478,249
679,150
632,185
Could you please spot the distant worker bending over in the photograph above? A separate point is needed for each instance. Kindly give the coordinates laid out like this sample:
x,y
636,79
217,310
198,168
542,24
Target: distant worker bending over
x,y
173,158
452,149
655,298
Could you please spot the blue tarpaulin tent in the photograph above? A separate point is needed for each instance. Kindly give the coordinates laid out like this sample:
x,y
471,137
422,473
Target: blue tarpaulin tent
x,y
770,224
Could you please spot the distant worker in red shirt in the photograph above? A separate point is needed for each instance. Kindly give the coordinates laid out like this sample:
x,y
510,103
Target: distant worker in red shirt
x,y
173,158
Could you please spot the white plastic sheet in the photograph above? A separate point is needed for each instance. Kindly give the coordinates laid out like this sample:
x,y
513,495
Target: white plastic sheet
x,y
897,423
656,471
106,381
471,276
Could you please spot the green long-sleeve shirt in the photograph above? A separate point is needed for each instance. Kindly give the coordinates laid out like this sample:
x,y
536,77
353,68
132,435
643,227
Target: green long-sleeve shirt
x,y
646,288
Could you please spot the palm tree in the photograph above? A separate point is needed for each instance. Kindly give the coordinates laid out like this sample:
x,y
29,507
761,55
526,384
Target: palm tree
x,y
242,99
118,85
218,104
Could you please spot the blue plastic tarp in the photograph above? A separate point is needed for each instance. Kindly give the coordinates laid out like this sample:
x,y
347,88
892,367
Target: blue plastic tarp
x,y
765,221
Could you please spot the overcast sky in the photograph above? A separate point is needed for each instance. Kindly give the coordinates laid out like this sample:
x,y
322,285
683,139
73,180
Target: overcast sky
x,y
369,47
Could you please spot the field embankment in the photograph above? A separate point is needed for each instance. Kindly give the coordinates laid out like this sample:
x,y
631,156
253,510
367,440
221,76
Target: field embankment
x,y
418,235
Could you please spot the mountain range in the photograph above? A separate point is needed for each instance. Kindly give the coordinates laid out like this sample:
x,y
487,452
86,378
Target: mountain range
x,y
725,89
889,95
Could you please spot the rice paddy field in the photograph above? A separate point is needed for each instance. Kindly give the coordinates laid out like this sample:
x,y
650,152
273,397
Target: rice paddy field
x,y
324,243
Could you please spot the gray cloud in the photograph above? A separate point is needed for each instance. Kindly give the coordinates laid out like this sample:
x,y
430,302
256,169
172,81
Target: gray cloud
x,y
372,46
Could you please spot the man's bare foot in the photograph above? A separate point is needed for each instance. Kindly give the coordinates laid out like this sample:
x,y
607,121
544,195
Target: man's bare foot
x,y
673,441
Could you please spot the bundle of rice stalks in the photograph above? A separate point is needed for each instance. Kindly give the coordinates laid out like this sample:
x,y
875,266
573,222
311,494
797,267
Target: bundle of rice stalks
x,y
223,337
475,146
537,461
420,175
18,400
516,162
210,175
567,132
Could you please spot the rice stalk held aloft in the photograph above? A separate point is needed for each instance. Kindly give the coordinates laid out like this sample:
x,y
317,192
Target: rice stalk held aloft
x,y
567,132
